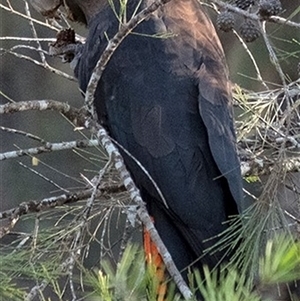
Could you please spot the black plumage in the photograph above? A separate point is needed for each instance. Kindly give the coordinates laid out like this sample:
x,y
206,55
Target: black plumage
x,y
164,96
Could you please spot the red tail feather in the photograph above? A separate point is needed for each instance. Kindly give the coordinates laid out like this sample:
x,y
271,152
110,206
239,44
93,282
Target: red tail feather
x,y
154,259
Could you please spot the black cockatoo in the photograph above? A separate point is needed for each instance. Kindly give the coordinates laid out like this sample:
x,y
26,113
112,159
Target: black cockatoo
x,y
165,97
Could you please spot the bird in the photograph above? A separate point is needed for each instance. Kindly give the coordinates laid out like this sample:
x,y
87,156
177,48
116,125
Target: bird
x,y
165,97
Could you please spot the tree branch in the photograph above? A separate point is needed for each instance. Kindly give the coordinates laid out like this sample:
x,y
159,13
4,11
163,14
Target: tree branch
x,y
35,206
75,115
49,147
253,15
142,212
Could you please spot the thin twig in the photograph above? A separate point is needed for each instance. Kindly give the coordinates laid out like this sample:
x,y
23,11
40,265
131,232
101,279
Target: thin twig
x,y
40,50
258,74
17,13
47,67
44,177
22,133
25,39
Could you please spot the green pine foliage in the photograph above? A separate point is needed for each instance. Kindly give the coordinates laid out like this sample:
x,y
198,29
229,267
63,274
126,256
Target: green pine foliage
x,y
281,262
21,265
132,281
229,286
126,282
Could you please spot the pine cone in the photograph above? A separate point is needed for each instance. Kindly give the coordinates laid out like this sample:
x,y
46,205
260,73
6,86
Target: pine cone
x,y
243,4
249,31
269,8
225,21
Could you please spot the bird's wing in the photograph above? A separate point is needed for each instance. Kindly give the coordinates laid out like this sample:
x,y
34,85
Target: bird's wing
x,y
216,111
199,49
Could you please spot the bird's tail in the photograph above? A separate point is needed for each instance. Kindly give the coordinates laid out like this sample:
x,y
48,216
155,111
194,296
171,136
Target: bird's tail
x,y
155,263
